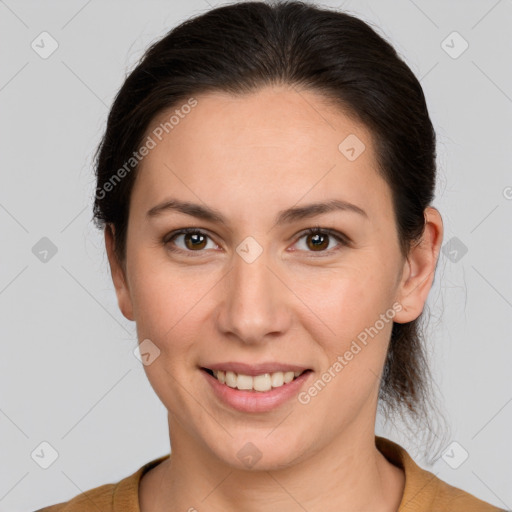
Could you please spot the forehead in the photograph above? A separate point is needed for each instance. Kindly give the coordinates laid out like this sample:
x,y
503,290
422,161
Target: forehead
x,y
284,142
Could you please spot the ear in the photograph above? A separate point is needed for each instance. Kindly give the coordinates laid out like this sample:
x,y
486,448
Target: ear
x,y
118,275
419,268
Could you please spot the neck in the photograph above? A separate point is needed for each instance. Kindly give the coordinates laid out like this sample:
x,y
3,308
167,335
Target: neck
x,y
346,475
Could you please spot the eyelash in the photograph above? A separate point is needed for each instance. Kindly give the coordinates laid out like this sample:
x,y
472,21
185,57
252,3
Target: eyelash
x,y
317,230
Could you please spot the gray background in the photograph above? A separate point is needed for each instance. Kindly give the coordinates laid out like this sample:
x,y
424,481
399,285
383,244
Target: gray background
x,y
68,375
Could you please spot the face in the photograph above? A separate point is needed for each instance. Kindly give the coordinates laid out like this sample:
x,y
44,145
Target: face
x,y
256,287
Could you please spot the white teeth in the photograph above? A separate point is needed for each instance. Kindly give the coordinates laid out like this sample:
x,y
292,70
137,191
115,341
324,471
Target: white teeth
x,y
261,382
244,382
277,379
231,379
264,382
288,377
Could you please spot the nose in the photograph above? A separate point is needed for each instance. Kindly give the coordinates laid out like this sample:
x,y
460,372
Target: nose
x,y
254,306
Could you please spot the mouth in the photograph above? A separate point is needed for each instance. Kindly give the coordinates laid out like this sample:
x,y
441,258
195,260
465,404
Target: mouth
x,y
261,383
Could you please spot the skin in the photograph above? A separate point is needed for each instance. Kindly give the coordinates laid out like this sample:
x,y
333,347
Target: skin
x,y
249,157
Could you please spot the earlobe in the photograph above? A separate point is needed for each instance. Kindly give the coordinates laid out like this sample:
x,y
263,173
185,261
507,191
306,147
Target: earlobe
x,y
118,275
419,268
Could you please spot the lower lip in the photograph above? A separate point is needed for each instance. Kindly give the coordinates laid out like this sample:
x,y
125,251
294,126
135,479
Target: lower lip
x,y
256,401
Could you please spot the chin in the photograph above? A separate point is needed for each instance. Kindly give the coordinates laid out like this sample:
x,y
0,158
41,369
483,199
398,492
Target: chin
x,y
261,451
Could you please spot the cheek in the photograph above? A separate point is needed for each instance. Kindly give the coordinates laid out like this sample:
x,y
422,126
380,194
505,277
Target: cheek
x,y
354,348
348,299
167,309
356,318
170,304
157,293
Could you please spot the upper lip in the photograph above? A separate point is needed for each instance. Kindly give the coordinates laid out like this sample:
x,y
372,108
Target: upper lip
x,y
255,369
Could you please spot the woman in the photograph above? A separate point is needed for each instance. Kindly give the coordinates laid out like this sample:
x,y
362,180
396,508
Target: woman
x,y
265,185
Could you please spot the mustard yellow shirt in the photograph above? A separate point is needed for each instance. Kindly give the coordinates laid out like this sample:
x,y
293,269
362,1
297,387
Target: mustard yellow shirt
x,y
423,491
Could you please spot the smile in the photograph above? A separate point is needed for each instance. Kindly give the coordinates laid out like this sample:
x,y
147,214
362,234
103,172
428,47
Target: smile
x,y
262,383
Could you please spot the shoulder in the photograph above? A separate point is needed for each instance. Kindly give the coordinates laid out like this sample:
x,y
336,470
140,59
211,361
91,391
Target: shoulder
x,y
92,500
122,496
454,499
424,491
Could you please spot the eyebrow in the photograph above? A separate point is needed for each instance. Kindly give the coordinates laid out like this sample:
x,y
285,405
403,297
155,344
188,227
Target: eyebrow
x,y
283,217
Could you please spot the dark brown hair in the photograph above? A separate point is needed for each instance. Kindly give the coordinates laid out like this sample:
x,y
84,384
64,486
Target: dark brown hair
x,y
241,47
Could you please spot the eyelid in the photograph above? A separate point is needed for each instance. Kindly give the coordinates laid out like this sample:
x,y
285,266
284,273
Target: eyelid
x,y
169,237
341,238
327,231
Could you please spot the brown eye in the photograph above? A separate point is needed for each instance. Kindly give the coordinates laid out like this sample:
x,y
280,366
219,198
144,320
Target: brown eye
x,y
190,240
194,240
187,240
318,240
